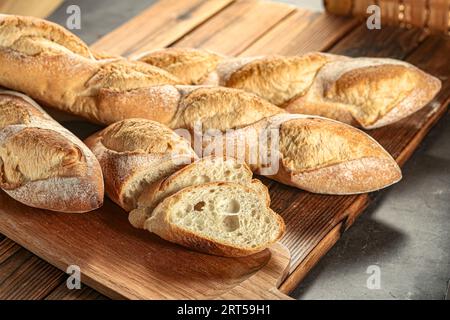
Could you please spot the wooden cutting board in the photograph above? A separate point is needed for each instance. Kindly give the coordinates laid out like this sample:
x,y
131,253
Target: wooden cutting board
x,y
120,261
123,262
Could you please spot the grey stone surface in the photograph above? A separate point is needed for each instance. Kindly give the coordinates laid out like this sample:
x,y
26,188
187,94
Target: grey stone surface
x,y
406,233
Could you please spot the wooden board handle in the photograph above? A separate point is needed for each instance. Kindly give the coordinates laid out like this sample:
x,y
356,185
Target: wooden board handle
x,y
263,285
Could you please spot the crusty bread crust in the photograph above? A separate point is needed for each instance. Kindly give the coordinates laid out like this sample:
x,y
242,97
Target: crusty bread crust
x,y
367,92
161,225
60,173
363,92
69,77
191,66
219,108
320,155
136,163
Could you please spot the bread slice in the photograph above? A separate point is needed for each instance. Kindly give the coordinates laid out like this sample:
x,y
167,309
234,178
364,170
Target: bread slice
x,y
209,169
221,218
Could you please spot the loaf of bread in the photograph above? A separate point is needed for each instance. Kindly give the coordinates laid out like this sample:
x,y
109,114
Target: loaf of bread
x,y
311,153
146,165
53,66
135,153
319,155
364,92
205,170
221,218
42,164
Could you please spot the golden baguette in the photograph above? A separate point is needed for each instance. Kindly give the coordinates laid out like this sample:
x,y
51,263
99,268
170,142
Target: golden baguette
x,y
364,92
42,164
53,66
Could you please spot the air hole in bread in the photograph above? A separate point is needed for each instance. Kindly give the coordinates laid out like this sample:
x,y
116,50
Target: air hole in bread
x,y
232,206
227,173
200,179
231,223
199,206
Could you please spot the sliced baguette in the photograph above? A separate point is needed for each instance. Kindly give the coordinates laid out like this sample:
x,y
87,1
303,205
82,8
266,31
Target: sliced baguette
x,y
135,153
221,218
209,169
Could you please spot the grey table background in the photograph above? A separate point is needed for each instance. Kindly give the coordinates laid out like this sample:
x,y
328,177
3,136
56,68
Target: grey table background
x,y
405,233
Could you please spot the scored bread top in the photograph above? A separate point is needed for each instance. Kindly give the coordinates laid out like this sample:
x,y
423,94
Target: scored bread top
x,y
315,154
135,153
143,136
314,143
366,92
70,78
121,74
370,88
191,66
220,108
42,164
13,29
38,154
14,111
277,79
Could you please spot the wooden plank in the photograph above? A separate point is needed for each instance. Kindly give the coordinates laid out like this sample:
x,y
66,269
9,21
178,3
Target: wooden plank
x,y
302,32
36,8
24,276
122,261
311,260
159,26
85,293
33,279
7,249
236,27
389,41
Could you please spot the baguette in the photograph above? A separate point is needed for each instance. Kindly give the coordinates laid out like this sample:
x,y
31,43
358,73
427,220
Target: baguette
x,y
105,91
205,170
53,66
191,66
364,92
340,159
221,218
42,164
135,153
311,153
